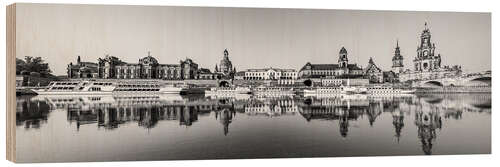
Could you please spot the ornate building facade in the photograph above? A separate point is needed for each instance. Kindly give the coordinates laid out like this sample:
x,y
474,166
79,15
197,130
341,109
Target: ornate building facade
x,y
111,67
342,69
373,72
270,74
426,59
225,66
427,63
82,69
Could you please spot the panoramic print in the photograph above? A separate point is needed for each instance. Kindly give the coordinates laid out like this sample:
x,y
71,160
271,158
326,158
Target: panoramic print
x,y
119,83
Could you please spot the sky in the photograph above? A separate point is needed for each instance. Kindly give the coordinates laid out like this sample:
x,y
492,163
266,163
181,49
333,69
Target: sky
x,y
254,37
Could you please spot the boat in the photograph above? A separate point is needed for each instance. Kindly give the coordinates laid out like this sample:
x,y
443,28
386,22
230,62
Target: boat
x,y
389,90
272,91
336,90
90,87
354,90
110,100
323,90
228,90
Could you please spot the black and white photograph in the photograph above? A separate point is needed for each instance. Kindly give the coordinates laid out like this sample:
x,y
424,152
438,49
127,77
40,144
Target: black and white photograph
x,y
100,83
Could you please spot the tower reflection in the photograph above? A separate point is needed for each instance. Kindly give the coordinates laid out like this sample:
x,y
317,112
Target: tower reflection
x,y
429,112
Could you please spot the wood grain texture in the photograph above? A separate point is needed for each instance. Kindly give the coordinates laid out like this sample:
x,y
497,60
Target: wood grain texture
x,y
11,83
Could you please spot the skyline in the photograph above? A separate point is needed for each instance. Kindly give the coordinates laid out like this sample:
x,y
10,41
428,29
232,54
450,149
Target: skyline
x,y
285,38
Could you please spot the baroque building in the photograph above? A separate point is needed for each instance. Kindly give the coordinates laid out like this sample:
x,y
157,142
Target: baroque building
x,y
373,72
426,59
111,67
340,70
225,66
427,63
82,69
270,74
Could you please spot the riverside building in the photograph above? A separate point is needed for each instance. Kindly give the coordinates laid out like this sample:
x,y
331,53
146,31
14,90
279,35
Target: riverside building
x,y
341,70
427,63
111,67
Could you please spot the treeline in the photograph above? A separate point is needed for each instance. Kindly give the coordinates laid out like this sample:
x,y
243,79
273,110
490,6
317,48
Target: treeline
x,y
33,66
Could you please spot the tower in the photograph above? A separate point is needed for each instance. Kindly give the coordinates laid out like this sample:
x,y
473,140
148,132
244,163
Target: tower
x,y
225,65
397,60
343,61
426,60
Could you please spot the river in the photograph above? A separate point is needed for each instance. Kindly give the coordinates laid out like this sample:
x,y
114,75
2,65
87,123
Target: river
x,y
174,127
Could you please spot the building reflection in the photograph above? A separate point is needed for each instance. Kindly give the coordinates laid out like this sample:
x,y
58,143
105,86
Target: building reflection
x,y
336,108
398,123
428,112
31,114
225,117
147,116
427,123
271,107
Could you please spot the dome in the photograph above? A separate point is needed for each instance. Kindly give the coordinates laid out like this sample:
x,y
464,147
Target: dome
x,y
148,60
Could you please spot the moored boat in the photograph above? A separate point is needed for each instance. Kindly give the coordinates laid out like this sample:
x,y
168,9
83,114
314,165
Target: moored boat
x,y
228,90
354,90
389,90
105,87
272,91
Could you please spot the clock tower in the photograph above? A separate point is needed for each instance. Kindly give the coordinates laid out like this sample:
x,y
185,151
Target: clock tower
x,y
426,60
397,60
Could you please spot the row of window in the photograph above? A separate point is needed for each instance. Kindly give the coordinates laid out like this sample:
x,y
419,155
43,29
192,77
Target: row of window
x,y
66,83
94,89
262,78
146,86
380,88
271,74
62,88
152,90
103,83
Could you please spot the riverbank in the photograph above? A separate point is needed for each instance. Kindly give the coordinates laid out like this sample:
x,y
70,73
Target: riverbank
x,y
455,89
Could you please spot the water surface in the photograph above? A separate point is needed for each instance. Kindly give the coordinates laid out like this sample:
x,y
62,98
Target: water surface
x,y
174,127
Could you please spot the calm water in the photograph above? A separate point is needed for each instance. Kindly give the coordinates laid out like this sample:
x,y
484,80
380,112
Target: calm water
x,y
151,127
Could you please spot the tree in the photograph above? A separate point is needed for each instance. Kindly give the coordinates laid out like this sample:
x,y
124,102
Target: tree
x,y
33,64
19,66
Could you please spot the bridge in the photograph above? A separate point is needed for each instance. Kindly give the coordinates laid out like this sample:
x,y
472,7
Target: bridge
x,y
471,79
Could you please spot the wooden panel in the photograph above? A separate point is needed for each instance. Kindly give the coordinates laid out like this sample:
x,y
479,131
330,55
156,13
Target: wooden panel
x,y
11,81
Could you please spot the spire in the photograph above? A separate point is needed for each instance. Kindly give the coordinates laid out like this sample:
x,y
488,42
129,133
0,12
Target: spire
x,y
149,53
426,26
226,53
370,61
397,52
342,50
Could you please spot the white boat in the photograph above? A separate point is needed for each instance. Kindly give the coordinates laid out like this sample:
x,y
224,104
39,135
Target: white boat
x,y
110,100
105,87
336,90
389,90
323,90
228,90
354,90
272,91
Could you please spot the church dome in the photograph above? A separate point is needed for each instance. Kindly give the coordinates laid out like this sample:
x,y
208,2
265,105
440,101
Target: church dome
x,y
225,64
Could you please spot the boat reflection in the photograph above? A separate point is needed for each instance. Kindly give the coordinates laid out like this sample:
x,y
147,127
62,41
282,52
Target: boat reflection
x,y
111,112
